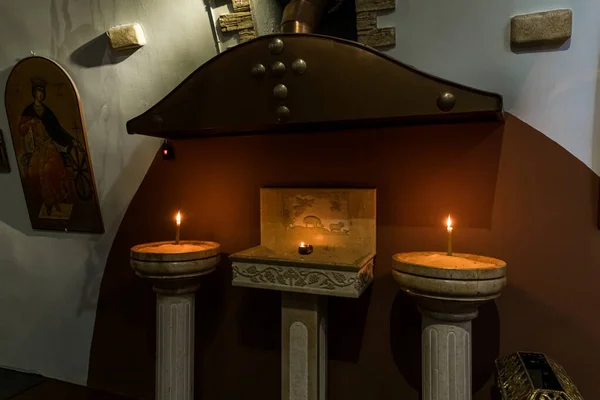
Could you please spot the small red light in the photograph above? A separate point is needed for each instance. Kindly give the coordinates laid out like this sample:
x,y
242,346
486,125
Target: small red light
x,y
168,152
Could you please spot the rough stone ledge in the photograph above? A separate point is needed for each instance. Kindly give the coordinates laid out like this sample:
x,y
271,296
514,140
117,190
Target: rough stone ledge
x,y
543,30
379,37
236,21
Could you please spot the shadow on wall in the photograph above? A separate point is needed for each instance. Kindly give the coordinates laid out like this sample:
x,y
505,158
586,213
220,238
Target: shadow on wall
x,y
98,52
260,330
346,324
515,194
14,210
527,49
596,137
94,265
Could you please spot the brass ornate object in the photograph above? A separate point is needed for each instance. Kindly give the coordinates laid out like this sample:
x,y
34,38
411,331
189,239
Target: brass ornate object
x,y
533,376
346,85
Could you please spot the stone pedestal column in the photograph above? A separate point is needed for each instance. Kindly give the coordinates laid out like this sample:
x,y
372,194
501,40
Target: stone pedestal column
x,y
448,290
446,355
303,346
174,270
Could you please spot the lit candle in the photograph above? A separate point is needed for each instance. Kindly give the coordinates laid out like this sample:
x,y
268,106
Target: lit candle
x,y
178,219
449,228
305,249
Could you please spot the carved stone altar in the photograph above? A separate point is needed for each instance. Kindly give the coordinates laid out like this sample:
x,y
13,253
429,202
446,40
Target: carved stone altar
x,y
340,225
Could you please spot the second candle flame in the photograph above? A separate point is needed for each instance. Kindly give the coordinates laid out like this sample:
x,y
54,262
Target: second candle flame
x,y
449,227
178,218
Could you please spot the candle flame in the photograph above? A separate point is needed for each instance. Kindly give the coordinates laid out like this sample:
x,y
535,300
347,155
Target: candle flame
x,y
301,244
449,223
178,218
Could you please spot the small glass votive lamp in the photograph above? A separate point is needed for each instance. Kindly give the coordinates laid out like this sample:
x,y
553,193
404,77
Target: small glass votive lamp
x,y
305,249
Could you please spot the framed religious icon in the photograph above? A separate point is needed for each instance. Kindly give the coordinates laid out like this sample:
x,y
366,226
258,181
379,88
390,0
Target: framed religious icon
x,y
4,165
49,138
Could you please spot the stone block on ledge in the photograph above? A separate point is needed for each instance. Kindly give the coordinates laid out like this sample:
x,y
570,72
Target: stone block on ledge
x,y
543,30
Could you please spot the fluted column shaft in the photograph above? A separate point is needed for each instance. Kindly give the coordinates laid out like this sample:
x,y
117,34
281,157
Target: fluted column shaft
x,y
446,358
174,345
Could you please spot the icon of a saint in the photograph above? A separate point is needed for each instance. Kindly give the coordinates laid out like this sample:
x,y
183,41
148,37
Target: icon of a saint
x,y
45,139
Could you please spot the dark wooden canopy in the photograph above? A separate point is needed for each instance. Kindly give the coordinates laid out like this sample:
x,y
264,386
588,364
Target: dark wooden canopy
x,y
343,84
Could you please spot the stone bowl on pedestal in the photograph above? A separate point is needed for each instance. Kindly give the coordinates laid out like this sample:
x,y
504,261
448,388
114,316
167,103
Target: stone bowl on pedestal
x,y
460,281
448,291
185,260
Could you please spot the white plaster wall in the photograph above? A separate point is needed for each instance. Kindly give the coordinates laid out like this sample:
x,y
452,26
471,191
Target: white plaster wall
x,y
49,282
467,41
